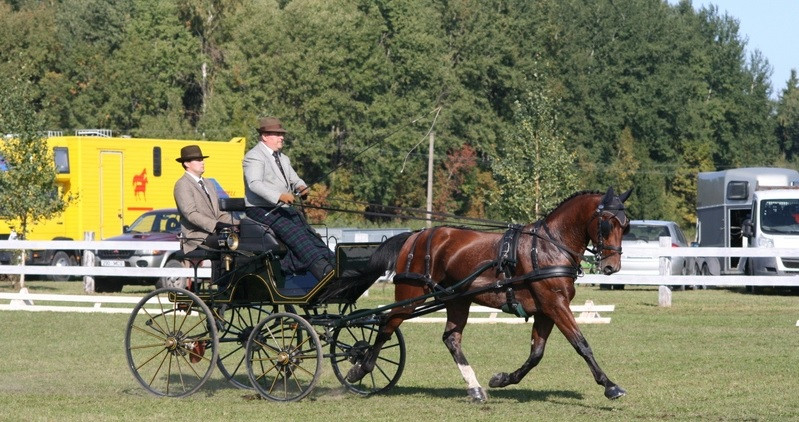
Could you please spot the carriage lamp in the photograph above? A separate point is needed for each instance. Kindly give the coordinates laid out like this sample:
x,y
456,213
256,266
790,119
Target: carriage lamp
x,y
228,239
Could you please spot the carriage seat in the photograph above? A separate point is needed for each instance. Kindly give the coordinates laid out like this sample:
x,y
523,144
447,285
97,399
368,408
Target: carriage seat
x,y
254,237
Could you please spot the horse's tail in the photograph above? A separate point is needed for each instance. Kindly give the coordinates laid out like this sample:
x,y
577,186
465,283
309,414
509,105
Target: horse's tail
x,y
385,257
352,284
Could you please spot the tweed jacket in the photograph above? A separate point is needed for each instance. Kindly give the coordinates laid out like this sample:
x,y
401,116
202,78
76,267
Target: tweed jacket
x,y
263,182
198,217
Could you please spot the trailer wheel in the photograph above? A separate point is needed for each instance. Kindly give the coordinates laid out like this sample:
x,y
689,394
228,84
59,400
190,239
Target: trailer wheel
x,y
61,259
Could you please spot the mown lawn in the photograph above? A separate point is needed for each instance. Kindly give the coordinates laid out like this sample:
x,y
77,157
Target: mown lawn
x,y
714,355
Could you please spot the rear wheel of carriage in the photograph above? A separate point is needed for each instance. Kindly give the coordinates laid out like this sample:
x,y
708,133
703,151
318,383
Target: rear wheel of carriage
x,y
284,357
171,342
236,323
349,347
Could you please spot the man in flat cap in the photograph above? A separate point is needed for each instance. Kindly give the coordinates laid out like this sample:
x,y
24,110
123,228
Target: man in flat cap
x,y
270,185
198,203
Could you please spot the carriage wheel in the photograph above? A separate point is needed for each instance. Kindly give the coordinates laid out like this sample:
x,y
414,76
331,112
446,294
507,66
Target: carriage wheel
x,y
236,323
171,346
349,346
284,357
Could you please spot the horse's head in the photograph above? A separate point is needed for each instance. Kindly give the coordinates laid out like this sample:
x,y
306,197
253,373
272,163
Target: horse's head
x,y
607,233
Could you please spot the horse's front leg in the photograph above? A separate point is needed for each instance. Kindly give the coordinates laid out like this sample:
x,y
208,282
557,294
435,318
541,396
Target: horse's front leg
x,y
457,316
568,326
542,326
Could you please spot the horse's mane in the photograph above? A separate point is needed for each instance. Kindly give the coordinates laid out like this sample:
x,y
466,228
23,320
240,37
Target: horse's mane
x,y
583,192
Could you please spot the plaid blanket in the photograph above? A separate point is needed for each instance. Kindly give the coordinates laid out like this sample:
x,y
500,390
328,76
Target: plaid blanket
x,y
305,246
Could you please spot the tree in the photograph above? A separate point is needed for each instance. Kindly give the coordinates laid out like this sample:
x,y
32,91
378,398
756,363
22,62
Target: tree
x,y
28,189
788,119
535,169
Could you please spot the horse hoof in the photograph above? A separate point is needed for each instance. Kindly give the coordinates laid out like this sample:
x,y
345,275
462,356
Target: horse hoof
x,y
499,380
477,394
614,392
355,373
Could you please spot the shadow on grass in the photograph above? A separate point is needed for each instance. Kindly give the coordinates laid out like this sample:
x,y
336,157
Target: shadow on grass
x,y
521,396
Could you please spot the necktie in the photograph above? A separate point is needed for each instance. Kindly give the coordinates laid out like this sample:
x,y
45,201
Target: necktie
x,y
202,185
280,166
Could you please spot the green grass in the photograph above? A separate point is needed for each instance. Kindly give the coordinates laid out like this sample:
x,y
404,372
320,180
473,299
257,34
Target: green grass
x,y
714,355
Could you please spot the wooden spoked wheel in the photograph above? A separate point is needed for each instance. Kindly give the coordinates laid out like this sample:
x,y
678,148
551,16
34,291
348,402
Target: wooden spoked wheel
x,y
350,346
171,342
284,357
236,323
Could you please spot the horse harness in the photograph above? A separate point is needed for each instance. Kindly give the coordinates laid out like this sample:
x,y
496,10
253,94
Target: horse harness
x,y
505,263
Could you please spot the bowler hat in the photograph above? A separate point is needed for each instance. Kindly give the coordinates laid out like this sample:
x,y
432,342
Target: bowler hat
x,y
270,125
190,153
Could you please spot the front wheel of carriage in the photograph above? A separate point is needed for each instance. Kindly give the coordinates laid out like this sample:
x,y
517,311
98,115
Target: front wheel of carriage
x,y
284,357
350,346
171,342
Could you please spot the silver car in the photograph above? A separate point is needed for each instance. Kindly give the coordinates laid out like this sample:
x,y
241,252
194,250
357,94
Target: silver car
x,y
646,234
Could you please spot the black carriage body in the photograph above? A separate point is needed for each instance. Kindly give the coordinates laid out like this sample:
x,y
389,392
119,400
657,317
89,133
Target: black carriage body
x,y
251,273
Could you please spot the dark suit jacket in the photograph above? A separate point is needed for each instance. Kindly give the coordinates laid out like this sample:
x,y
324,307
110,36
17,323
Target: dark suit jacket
x,y
198,216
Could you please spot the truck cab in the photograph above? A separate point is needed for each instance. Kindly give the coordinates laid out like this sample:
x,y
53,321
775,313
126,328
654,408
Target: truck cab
x,y
774,224
746,207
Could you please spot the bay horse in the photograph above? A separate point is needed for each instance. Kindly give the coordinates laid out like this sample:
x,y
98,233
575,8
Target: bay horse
x,y
448,267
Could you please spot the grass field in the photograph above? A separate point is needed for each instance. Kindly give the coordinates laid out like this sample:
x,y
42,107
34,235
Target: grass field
x,y
715,355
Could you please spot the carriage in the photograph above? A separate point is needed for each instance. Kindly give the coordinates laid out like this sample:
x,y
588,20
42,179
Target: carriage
x,y
270,331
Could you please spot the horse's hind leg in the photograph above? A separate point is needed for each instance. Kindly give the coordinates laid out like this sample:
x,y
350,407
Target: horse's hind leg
x,y
568,326
453,333
367,364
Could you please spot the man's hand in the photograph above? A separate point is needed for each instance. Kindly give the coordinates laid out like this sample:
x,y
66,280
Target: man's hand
x,y
303,191
287,198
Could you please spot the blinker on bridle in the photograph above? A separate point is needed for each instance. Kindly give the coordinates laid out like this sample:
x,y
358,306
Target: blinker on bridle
x,y
604,227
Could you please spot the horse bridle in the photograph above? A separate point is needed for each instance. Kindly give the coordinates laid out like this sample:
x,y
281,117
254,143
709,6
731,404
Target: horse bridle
x,y
603,230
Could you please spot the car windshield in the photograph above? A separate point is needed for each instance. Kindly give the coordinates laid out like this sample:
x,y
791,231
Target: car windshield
x,y
653,233
156,222
780,216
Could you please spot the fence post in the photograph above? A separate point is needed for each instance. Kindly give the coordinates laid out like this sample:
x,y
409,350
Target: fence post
x,y
88,261
664,293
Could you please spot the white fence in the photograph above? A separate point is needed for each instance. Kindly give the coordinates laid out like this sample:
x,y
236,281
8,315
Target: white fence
x,y
653,280
89,269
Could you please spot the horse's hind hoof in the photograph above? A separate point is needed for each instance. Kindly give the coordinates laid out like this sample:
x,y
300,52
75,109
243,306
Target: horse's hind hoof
x,y
477,395
356,373
614,392
499,380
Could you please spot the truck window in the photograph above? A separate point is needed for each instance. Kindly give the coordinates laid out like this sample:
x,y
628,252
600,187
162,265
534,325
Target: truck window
x,y
61,157
156,161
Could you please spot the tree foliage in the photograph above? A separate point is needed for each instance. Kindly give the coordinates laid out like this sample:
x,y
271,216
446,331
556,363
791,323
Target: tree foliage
x,y
648,94
28,189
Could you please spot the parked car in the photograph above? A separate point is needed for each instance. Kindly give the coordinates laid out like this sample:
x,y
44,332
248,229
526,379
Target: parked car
x,y
644,234
161,225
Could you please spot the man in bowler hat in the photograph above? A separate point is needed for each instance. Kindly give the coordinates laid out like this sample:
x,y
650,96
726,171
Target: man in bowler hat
x,y
270,186
198,203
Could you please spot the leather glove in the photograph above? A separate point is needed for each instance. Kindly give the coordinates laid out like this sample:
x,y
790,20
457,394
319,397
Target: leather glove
x,y
220,225
303,191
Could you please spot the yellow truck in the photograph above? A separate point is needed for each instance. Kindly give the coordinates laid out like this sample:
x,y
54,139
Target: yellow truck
x,y
116,179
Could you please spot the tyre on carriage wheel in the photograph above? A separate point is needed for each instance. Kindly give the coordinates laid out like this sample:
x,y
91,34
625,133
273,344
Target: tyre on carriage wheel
x,y
235,323
284,357
349,347
171,342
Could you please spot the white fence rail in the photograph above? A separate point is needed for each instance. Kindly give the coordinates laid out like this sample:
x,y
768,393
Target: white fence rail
x,y
651,280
